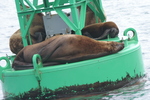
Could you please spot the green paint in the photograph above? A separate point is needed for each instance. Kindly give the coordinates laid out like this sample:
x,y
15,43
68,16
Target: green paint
x,y
111,68
108,68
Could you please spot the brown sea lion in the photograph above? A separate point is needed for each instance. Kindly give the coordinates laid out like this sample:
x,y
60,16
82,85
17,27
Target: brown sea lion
x,y
90,16
101,30
66,48
36,30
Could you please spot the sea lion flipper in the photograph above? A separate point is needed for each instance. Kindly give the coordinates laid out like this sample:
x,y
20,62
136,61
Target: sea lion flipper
x,y
87,34
103,35
52,47
24,66
113,32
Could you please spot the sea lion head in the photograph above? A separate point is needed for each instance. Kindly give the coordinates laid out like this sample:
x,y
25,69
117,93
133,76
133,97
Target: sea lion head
x,y
111,28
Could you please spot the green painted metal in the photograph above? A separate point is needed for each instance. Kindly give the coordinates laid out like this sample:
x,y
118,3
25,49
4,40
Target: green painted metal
x,y
111,68
97,4
37,64
134,33
58,5
7,66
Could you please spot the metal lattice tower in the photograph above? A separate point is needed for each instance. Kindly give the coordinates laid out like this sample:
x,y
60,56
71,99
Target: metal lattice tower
x,y
78,20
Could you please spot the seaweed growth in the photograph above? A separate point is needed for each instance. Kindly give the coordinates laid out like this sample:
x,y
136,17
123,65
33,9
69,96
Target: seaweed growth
x,y
74,90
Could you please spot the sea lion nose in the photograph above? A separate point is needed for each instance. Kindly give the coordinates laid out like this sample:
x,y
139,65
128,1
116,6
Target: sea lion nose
x,y
119,46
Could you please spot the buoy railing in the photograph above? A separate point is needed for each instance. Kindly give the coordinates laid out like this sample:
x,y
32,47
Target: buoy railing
x,y
127,36
37,64
4,67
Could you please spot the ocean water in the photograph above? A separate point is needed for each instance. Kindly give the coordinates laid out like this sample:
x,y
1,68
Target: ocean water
x,y
125,13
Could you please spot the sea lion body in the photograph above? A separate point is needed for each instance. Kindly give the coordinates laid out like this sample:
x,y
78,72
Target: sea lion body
x,y
101,30
66,48
36,30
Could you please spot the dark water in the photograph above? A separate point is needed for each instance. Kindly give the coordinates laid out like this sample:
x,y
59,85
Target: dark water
x,y
126,13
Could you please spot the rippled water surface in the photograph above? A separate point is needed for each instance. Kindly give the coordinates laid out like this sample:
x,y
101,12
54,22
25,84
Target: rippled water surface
x,y
126,13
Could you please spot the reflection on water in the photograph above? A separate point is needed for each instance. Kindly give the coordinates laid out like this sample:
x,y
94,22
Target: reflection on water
x,y
126,13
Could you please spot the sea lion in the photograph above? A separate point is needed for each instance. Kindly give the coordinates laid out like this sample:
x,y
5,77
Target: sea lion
x,y
101,30
90,16
66,48
36,30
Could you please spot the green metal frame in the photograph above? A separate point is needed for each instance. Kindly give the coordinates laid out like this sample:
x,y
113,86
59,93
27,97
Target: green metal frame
x,y
77,23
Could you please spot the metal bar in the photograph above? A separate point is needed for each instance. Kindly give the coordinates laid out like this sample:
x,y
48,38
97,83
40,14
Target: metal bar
x,y
7,66
35,2
98,5
45,3
26,30
30,4
74,13
66,19
22,29
83,14
75,17
56,3
37,62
